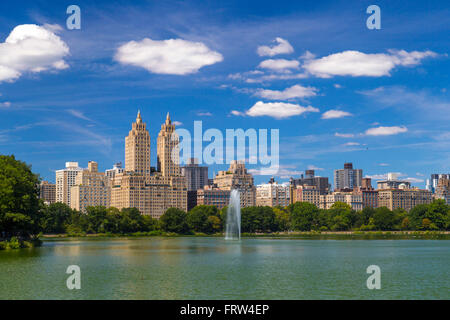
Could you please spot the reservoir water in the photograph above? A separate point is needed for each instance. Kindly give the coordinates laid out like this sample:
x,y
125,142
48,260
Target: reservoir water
x,y
212,268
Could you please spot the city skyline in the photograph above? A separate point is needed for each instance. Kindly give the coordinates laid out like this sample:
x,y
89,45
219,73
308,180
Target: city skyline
x,y
267,67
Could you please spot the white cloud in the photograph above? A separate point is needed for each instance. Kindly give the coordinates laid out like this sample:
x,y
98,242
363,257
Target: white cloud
x,y
5,104
237,113
282,47
334,114
282,171
385,131
414,180
307,56
78,114
296,91
173,56
31,48
279,65
177,123
278,110
384,164
352,144
313,167
204,114
337,86
344,135
355,63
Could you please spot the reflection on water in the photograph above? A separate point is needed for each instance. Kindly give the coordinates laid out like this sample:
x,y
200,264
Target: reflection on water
x,y
212,268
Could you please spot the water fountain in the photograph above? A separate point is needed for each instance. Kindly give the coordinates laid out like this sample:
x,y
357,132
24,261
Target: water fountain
x,y
233,226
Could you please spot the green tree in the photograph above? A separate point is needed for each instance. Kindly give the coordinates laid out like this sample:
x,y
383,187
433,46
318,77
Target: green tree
x,y
19,199
174,220
438,212
257,219
416,216
55,217
341,216
282,220
384,219
302,215
198,218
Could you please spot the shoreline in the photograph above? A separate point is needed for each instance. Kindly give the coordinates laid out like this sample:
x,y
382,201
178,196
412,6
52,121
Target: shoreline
x,y
342,235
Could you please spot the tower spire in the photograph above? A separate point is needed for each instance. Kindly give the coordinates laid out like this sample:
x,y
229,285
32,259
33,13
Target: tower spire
x,y
168,121
138,118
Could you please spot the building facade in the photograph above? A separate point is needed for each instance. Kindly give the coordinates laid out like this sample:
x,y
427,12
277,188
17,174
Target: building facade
x,y
442,190
403,198
306,194
368,193
392,182
65,179
237,177
116,169
310,179
434,180
213,196
352,199
347,178
47,192
92,188
196,176
272,194
152,193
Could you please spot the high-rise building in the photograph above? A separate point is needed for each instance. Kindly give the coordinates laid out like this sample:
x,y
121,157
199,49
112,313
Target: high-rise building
x,y
65,179
196,176
272,194
309,179
137,148
92,188
443,190
168,150
237,177
434,179
403,198
116,169
152,193
347,178
47,192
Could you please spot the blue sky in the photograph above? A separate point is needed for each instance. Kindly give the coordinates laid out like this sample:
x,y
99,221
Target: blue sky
x,y
378,98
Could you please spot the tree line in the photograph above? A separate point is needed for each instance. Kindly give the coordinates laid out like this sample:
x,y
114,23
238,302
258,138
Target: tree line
x,y
23,215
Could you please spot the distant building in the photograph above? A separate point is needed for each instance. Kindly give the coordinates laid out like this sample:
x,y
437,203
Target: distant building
x,y
196,176
139,186
352,199
347,178
433,181
117,168
368,193
443,190
272,194
306,194
237,177
403,198
65,179
392,182
47,192
309,179
92,188
213,196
